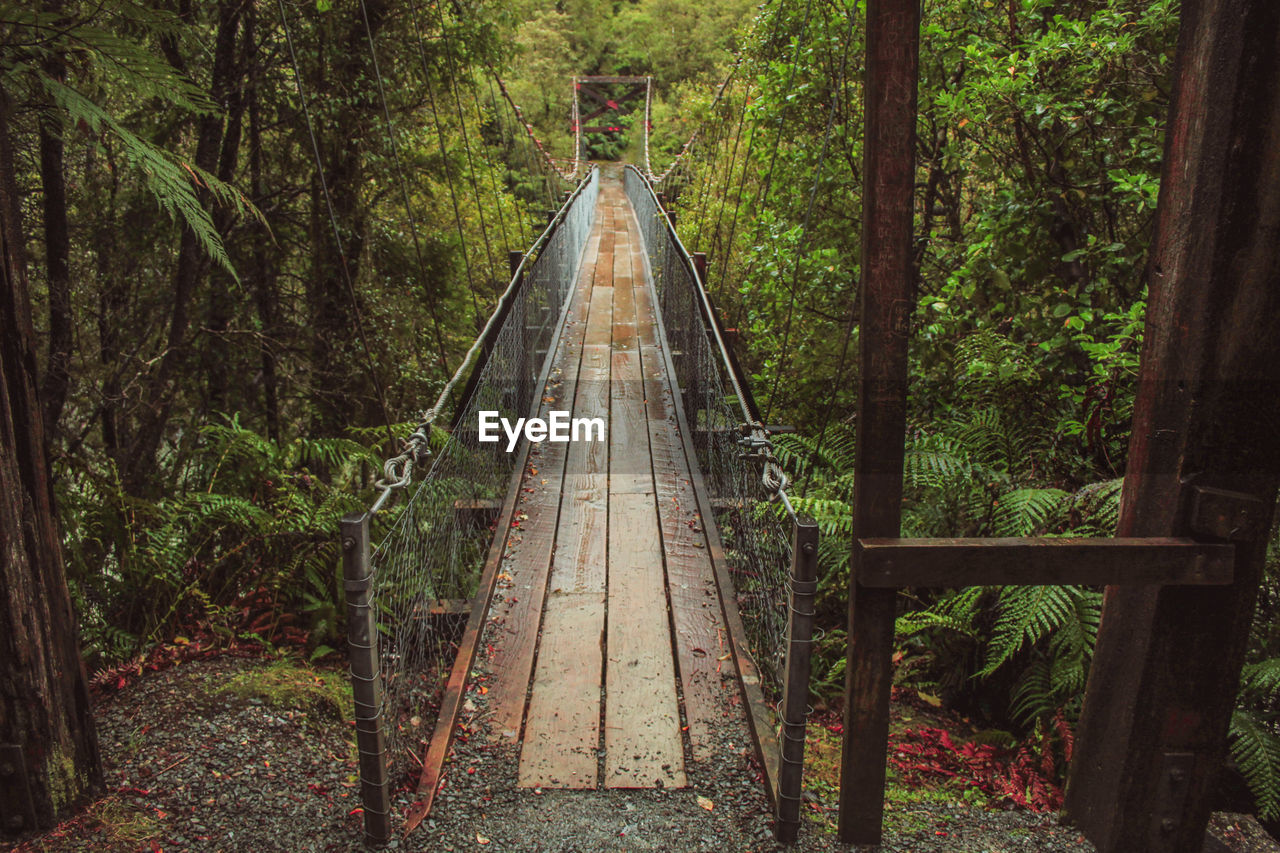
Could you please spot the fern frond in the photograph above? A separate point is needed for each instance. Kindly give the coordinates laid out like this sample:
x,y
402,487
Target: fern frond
x,y
171,180
1261,680
1255,748
1023,512
1035,694
1028,614
834,517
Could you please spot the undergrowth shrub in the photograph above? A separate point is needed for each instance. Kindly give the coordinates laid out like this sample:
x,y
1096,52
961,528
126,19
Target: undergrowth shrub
x,y
245,540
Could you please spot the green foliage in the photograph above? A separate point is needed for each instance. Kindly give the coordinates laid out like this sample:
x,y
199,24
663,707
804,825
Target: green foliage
x,y
1255,734
249,515
121,61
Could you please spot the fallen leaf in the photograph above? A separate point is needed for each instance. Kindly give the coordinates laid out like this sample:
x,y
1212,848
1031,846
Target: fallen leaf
x,y
929,699
706,804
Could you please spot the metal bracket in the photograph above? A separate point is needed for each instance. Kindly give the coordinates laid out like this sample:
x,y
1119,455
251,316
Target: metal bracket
x,y
17,810
1172,789
358,584
1224,514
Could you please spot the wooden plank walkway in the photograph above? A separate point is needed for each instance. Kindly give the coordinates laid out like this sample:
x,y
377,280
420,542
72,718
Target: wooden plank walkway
x,y
609,668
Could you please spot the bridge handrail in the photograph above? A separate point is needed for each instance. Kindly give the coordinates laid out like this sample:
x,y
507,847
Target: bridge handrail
x,y
765,560
398,469
755,434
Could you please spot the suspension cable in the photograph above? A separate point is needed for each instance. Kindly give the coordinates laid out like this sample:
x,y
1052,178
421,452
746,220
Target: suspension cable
x,y
444,159
398,470
762,191
533,137
801,247
493,180
466,142
717,245
404,189
688,145
333,222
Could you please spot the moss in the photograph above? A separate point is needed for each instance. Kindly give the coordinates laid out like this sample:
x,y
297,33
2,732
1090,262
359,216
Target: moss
x,y
65,784
289,685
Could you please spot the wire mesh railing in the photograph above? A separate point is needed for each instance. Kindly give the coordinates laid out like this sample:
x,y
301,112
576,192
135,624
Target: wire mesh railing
x,y
409,596
771,554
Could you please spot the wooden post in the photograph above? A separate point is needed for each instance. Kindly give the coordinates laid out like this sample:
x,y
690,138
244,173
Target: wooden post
x,y
887,293
795,690
513,261
700,264
1164,678
366,679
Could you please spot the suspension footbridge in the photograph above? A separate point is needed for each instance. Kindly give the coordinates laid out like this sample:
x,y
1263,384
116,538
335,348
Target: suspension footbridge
x,y
623,597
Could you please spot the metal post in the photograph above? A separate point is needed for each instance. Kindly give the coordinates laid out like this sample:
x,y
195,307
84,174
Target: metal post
x,y
795,690
513,261
366,679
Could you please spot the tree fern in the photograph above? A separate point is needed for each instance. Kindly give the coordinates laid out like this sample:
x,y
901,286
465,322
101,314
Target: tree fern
x,y
171,180
1261,680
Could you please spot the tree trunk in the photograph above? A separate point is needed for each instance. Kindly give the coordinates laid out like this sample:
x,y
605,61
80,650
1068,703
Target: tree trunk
x,y
1166,671
44,698
57,245
266,298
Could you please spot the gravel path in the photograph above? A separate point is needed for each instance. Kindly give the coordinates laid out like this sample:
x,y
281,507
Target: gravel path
x,y
193,768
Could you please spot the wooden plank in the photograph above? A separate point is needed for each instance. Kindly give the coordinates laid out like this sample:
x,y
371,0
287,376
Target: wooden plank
x,y
890,563
691,584
592,401
475,513
646,331
562,738
518,602
454,696
600,320
517,605
642,719
763,734
562,733
608,79
624,310
629,466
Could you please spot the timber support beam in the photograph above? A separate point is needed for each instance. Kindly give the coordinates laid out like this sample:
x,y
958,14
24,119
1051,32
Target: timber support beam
x,y
1203,458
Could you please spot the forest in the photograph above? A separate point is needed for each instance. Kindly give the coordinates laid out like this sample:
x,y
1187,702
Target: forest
x,y
247,244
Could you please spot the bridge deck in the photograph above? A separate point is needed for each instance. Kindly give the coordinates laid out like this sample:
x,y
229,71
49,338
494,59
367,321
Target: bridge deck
x,y
606,613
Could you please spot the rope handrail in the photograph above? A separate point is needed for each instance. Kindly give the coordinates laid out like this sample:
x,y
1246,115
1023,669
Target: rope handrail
x,y
397,471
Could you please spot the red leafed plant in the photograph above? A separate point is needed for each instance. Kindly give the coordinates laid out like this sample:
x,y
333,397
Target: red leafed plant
x,y
1025,775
